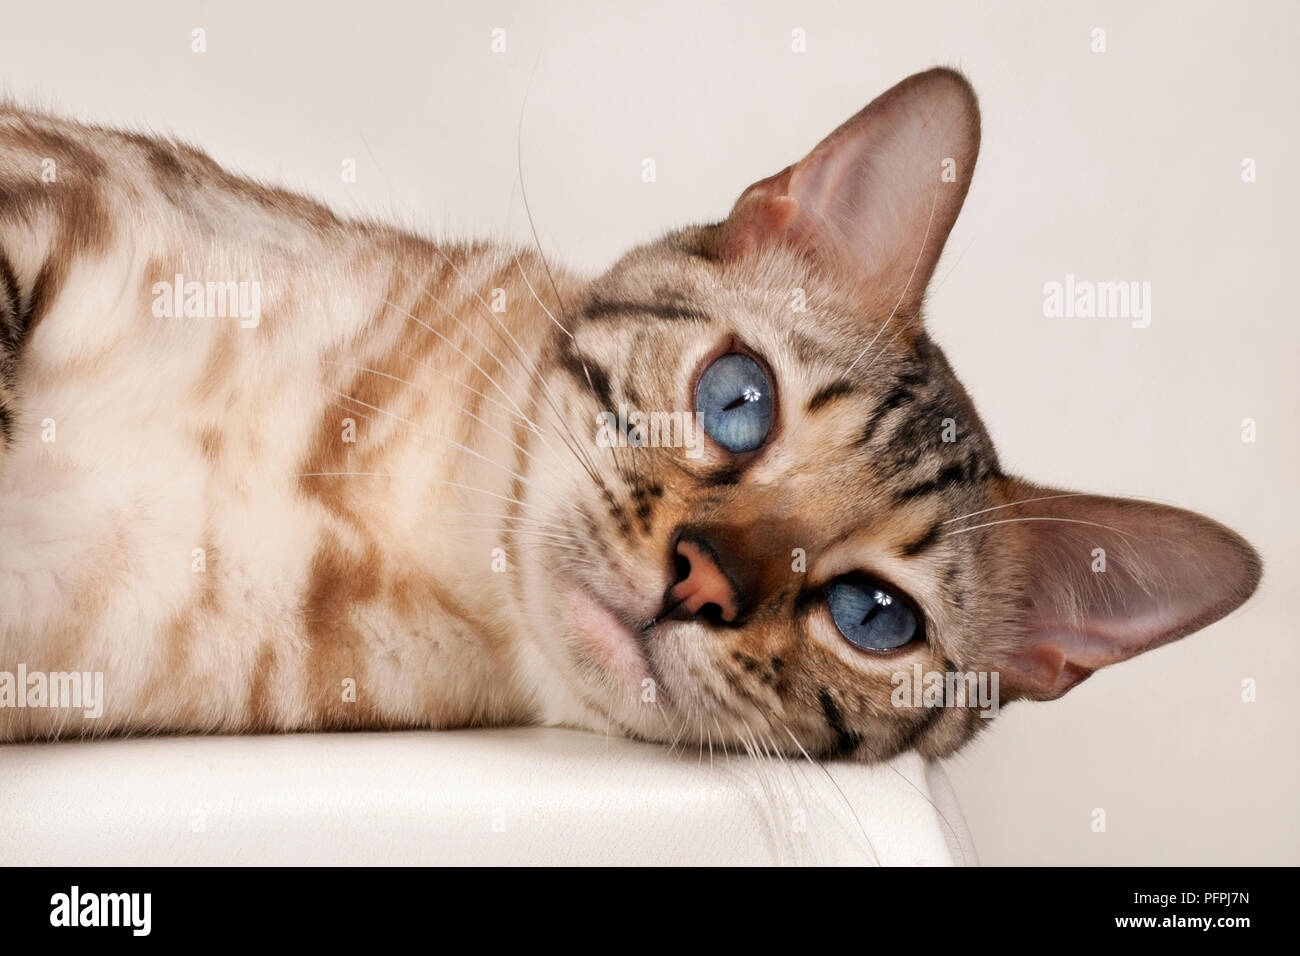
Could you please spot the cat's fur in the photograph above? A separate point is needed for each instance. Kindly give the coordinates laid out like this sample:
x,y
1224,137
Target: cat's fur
x,y
357,584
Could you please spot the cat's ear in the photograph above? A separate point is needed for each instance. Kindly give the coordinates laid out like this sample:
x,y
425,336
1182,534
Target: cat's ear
x,y
876,198
1104,579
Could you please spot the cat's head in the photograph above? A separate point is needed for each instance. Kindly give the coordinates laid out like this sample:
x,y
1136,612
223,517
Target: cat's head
x,y
811,514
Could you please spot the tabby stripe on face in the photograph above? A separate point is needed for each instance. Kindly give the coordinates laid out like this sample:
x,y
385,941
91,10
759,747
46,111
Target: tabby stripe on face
x,y
721,477
901,395
12,327
905,390
11,309
845,741
829,393
914,733
605,309
958,473
588,374
925,542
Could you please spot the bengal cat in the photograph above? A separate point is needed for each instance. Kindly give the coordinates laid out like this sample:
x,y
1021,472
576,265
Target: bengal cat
x,y
268,469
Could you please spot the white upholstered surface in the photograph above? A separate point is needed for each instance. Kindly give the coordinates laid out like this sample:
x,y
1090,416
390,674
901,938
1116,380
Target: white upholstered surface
x,y
540,796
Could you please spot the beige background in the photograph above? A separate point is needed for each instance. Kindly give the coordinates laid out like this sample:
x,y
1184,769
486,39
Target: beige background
x,y
1123,165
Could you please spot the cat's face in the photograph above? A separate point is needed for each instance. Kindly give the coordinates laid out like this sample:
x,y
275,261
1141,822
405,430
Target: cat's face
x,y
811,514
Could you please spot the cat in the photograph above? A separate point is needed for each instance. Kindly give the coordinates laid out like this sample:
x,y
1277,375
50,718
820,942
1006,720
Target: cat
x,y
267,469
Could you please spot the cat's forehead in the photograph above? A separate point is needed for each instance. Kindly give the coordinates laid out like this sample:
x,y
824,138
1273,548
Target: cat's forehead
x,y
867,402
775,298
824,340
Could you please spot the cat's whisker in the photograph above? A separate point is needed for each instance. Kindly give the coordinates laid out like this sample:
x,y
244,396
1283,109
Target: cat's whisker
x,y
532,227
505,410
934,806
514,374
990,524
936,286
523,190
522,539
1025,501
777,752
536,298
451,441
744,735
518,418
744,743
722,737
520,412
418,437
576,445
531,545
513,532
481,491
680,724
876,757
539,616
619,463
835,783
773,763
466,412
421,478
418,433
774,750
502,517
684,725
509,398
693,718
763,766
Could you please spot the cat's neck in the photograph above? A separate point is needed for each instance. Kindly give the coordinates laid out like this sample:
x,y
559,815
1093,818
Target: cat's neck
x,y
444,390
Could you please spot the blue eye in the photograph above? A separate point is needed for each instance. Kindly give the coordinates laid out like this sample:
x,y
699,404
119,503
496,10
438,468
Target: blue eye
x,y
871,616
734,402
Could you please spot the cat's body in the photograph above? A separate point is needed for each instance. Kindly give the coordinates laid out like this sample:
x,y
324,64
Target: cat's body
x,y
380,500
178,433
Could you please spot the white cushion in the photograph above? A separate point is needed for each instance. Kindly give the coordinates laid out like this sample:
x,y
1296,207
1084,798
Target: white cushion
x,y
522,796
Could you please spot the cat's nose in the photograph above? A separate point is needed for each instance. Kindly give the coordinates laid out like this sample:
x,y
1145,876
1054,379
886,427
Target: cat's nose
x,y
702,582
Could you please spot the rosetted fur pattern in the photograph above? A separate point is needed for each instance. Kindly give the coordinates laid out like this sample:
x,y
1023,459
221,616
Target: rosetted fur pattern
x,y
268,469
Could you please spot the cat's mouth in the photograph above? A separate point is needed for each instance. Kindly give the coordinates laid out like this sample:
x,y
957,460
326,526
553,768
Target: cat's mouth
x,y
609,639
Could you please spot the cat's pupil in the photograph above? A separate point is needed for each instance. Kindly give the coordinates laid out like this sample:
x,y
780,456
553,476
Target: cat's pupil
x,y
875,609
734,402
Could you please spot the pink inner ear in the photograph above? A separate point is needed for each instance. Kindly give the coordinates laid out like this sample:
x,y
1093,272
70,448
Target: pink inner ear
x,y
763,214
877,198
1167,572
1062,653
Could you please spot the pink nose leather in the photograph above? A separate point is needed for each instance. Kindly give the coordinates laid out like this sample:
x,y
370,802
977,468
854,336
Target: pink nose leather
x,y
705,584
